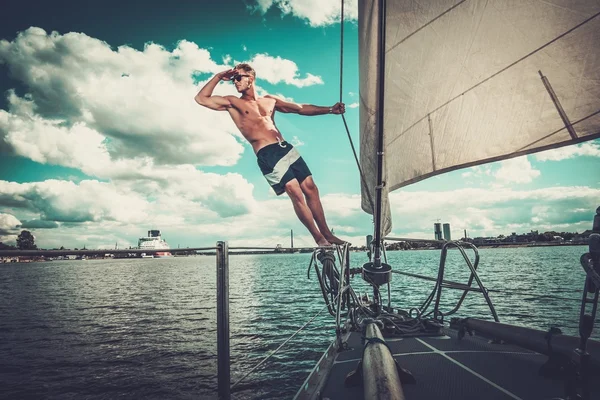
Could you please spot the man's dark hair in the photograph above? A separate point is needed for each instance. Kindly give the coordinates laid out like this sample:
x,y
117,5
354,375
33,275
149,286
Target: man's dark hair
x,y
247,68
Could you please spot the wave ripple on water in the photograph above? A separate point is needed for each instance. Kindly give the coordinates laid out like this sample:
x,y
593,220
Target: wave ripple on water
x,y
146,328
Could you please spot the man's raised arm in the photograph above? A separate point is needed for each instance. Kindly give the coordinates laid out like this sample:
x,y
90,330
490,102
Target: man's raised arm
x,y
205,97
306,109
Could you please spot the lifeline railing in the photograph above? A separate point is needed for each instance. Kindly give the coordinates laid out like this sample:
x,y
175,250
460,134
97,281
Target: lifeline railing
x,y
223,349
440,282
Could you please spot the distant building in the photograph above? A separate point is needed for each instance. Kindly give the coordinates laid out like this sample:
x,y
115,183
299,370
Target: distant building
x,y
582,238
478,241
532,236
447,235
437,231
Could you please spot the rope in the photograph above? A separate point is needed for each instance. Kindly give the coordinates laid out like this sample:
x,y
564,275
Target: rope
x,y
341,50
362,175
278,348
312,259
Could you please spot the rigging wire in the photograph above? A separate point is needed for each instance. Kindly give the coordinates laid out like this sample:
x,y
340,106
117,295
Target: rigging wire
x,y
278,348
362,175
363,179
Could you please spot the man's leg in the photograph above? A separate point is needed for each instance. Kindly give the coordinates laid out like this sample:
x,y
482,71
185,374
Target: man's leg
x,y
313,200
292,188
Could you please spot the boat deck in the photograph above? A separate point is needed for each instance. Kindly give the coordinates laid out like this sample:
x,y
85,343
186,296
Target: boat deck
x,y
447,368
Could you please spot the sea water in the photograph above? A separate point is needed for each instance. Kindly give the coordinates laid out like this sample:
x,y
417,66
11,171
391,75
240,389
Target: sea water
x,y
146,328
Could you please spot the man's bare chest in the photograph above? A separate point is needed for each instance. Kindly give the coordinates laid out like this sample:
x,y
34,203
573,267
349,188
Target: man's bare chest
x,y
262,108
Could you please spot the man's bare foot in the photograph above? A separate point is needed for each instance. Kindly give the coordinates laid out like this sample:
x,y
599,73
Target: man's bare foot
x,y
323,243
335,240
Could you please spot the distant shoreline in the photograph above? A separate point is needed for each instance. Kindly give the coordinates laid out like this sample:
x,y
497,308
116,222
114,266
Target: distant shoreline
x,y
498,245
10,259
483,246
514,245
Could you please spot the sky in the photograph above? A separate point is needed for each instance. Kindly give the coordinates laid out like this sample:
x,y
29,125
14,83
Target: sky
x,y
101,139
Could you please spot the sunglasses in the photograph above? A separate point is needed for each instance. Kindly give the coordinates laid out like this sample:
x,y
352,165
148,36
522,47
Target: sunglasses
x,y
238,77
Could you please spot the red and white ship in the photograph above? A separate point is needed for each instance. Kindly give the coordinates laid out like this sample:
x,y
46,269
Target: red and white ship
x,y
154,241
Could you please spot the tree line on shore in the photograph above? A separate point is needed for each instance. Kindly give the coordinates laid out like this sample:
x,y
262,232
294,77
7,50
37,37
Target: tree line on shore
x,y
25,241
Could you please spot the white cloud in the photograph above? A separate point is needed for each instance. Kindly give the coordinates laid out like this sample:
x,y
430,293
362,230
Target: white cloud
x,y
108,111
50,141
78,146
181,193
264,5
98,214
477,171
516,170
8,224
353,105
316,12
539,213
590,149
493,211
281,96
197,214
142,101
342,205
276,70
128,116
296,142
66,201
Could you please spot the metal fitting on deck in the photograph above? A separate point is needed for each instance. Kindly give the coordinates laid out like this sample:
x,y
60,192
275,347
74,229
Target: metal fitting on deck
x,y
377,276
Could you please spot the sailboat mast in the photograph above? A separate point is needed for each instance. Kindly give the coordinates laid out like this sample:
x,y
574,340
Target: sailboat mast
x,y
292,238
380,115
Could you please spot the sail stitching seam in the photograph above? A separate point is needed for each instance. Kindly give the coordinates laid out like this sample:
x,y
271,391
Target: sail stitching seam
x,y
498,73
559,130
424,26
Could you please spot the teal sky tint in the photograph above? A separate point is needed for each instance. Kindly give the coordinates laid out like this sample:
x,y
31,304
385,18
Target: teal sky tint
x,y
228,28
22,170
577,171
225,28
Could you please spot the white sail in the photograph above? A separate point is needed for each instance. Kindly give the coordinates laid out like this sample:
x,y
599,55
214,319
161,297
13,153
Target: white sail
x,y
470,81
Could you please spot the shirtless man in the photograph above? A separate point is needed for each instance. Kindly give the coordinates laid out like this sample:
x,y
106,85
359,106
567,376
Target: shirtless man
x,y
279,162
